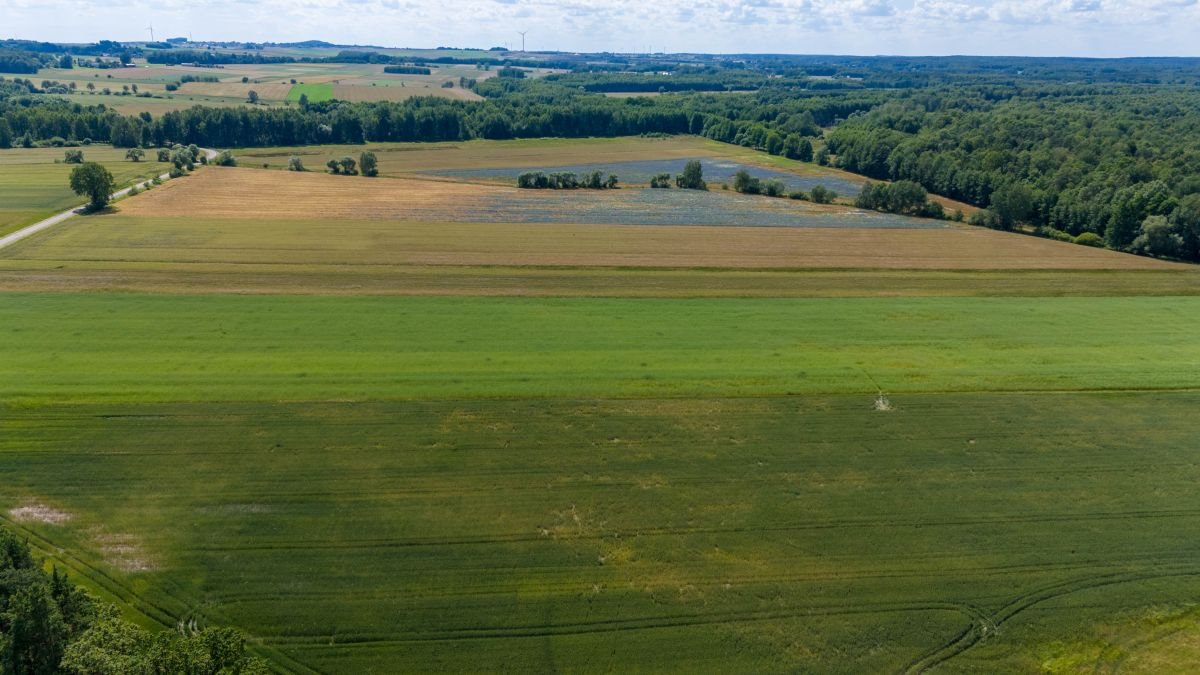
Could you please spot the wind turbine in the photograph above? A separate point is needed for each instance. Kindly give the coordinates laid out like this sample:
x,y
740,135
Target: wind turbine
x,y
151,29
522,34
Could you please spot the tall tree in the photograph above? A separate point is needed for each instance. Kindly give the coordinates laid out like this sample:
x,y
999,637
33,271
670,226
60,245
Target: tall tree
x,y
95,181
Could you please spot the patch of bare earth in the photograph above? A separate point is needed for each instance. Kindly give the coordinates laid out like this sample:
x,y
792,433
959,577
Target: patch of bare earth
x,y
124,552
37,512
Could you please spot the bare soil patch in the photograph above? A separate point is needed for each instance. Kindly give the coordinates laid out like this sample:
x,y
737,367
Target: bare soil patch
x,y
37,512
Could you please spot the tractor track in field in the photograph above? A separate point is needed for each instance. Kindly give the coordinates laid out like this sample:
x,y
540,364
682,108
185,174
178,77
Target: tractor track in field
x,y
47,223
977,632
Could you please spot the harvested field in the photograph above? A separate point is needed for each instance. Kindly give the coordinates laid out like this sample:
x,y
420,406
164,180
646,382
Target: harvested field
x,y
266,90
414,222
232,193
394,92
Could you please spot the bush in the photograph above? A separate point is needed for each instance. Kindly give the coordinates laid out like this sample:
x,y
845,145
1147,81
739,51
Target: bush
x,y
774,188
226,158
692,177
662,180
368,164
822,195
164,154
1051,233
295,164
799,195
746,184
73,157
1090,239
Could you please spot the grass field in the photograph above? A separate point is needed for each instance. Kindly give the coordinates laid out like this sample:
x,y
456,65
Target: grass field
x,y
662,450
34,186
316,93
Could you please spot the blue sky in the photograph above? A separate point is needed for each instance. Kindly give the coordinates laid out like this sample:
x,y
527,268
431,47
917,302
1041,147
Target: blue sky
x,y
1033,27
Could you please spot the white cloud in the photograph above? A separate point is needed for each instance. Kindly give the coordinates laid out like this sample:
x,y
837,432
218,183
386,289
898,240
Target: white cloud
x,y
1040,27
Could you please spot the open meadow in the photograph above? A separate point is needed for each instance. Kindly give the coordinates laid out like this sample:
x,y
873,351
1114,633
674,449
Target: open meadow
x,y
701,432
34,185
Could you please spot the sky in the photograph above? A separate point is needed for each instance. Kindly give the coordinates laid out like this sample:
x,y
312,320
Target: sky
x,y
910,27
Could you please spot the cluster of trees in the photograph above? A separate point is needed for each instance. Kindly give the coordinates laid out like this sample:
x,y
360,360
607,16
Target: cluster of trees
x,y
48,625
692,178
367,164
904,197
745,183
594,180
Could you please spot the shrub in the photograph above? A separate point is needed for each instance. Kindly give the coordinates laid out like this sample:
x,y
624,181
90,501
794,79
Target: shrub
x,y
822,195
692,177
295,164
662,180
226,158
73,157
774,188
1090,239
368,164
164,154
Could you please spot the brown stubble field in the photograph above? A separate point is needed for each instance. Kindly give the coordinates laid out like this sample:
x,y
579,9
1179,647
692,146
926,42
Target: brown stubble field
x,y
241,230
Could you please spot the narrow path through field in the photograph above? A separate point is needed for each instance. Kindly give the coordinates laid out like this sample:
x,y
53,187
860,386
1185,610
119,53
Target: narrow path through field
x,y
47,223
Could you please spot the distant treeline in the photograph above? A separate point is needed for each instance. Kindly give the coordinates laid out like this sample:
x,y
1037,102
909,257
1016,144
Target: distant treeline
x,y
1119,163
407,70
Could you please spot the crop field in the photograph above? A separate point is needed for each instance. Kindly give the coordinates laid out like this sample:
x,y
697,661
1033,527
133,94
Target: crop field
x,y
33,186
229,193
427,424
531,483
386,226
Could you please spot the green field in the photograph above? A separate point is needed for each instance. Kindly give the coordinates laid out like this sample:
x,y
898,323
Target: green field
x,y
371,348
34,186
370,463
316,93
436,483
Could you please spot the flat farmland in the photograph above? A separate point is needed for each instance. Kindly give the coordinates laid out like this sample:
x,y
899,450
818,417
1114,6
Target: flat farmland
x,y
34,186
368,348
382,495
422,424
393,91
532,154
270,91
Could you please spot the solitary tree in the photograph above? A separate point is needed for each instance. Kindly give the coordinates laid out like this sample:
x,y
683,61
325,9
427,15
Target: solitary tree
x,y
295,164
367,164
135,154
73,157
822,195
95,181
304,101
252,96
692,177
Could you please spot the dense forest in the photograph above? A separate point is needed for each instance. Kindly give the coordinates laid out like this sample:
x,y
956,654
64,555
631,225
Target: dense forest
x,y
1090,150
48,625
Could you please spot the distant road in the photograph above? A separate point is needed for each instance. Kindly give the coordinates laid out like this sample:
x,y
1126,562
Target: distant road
x,y
20,234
